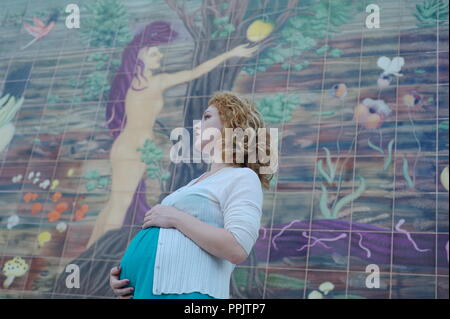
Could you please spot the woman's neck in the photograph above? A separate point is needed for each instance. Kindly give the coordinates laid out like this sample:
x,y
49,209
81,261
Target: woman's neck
x,y
216,166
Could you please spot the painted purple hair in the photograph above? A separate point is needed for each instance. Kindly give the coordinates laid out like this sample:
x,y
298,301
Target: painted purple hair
x,y
154,34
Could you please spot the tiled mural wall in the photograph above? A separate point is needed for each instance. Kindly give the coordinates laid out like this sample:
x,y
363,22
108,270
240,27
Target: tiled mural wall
x,y
362,115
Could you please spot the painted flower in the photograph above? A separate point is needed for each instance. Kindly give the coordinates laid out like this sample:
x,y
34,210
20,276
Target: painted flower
x,y
412,99
338,90
17,178
371,113
61,227
384,80
13,221
391,69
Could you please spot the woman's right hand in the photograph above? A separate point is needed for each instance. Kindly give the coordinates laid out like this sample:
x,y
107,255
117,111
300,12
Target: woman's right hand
x,y
118,285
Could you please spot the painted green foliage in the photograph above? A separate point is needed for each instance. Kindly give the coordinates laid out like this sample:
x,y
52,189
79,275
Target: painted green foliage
x,y
315,21
406,173
53,99
222,26
333,213
429,13
329,177
152,155
388,158
12,19
95,180
105,26
278,108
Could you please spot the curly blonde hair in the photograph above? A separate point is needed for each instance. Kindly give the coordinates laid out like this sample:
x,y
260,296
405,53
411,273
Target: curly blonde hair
x,y
238,112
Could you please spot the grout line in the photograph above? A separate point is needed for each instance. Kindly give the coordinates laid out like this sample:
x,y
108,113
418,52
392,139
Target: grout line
x,y
311,217
436,296
394,161
354,162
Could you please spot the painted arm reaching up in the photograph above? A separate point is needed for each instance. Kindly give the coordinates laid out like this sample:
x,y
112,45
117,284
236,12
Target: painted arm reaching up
x,y
171,79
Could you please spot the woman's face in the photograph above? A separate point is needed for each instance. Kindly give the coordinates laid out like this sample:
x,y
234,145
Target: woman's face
x,y
210,119
152,57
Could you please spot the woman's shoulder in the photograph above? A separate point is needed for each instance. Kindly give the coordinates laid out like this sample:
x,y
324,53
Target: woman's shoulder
x,y
243,185
246,175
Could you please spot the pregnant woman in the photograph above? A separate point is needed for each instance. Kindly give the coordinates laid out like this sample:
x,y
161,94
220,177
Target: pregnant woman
x,y
135,101
191,242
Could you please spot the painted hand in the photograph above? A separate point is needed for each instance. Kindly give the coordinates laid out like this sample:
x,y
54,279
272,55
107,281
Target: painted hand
x,y
244,51
161,216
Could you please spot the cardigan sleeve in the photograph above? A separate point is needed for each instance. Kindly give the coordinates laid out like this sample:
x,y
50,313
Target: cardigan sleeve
x,y
242,209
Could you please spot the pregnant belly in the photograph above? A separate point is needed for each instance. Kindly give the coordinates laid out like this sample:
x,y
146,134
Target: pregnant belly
x,y
139,258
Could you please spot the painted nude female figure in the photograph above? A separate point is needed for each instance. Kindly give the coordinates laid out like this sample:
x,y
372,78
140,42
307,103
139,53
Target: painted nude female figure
x,y
135,101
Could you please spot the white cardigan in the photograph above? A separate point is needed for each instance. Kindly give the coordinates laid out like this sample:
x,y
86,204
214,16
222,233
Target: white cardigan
x,y
230,198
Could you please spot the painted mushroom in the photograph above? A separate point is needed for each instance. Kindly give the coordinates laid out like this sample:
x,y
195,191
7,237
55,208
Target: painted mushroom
x,y
444,178
326,287
315,295
13,268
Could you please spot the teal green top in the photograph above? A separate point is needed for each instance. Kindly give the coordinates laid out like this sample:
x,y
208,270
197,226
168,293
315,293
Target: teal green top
x,y
138,264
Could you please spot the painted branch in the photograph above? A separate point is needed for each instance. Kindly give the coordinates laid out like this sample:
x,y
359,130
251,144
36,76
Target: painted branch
x,y
187,20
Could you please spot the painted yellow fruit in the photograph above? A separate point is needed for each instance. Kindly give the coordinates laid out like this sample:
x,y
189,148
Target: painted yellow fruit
x,y
259,30
444,178
70,172
43,238
55,183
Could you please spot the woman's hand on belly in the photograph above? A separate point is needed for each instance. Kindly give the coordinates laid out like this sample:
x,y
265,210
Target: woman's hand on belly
x,y
118,286
161,216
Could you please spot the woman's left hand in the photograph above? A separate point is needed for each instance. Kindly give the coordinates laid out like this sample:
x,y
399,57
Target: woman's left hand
x,y
161,216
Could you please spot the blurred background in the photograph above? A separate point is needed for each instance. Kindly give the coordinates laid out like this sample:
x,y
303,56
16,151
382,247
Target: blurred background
x,y
362,115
